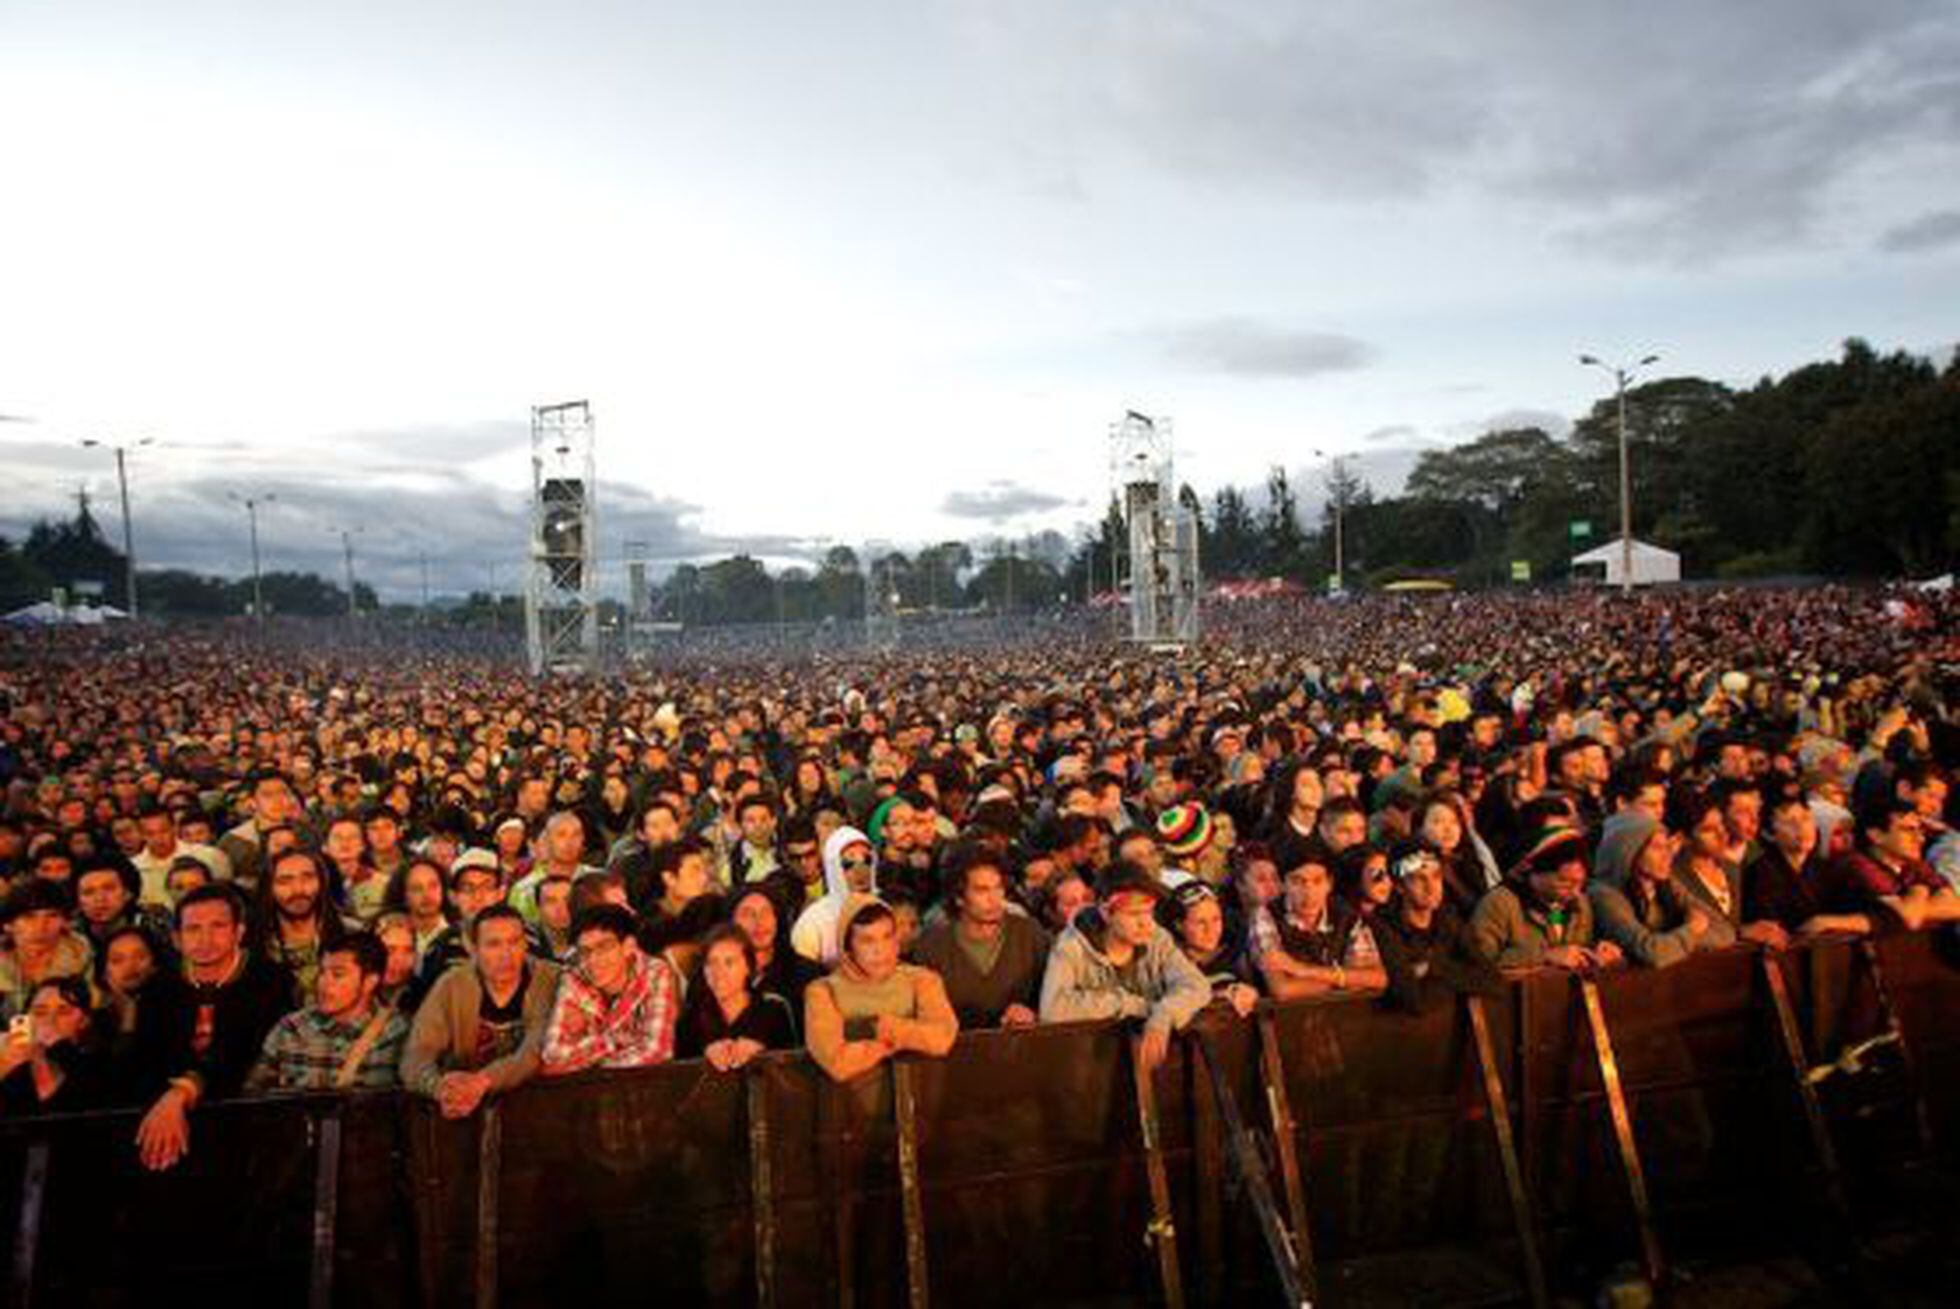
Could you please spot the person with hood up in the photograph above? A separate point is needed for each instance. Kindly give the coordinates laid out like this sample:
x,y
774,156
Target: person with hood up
x,y
1115,961
1638,904
850,867
872,1006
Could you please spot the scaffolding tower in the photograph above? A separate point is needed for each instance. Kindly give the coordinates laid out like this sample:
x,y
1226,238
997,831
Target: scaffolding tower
x,y
561,611
1163,583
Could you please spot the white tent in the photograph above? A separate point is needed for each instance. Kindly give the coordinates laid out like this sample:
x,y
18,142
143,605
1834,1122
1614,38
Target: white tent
x,y
1651,564
46,613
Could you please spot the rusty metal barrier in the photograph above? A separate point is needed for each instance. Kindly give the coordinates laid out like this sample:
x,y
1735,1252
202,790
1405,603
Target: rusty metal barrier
x,y
773,1186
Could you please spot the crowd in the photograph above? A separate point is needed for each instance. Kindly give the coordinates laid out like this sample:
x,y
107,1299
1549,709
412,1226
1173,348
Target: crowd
x,y
234,872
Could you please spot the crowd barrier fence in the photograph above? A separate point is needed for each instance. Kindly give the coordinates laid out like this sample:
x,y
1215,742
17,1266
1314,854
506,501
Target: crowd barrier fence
x,y
1404,1159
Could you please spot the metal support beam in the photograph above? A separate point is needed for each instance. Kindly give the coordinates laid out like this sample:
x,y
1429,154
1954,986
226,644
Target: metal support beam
x,y
1251,1172
1499,1108
1162,1232
1651,1261
1279,1105
27,1233
762,1191
918,1280
489,1185
326,1209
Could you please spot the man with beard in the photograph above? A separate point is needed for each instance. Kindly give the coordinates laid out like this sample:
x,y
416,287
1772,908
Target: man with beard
x,y
990,958
1115,961
197,1036
909,834
296,921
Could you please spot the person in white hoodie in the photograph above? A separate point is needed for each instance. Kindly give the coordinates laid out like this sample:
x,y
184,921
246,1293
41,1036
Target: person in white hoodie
x,y
850,867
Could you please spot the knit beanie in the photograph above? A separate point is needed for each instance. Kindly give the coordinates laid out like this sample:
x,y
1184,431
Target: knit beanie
x,y
1184,830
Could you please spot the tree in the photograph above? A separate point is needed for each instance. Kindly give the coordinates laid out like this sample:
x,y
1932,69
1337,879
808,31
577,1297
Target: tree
x,y
1283,545
840,586
1234,544
939,567
22,582
75,551
1881,492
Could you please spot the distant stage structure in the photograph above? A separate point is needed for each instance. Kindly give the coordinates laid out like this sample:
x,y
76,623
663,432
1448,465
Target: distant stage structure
x,y
561,612
1163,583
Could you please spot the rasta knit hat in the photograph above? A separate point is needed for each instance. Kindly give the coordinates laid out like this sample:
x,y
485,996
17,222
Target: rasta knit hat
x,y
1548,849
1185,829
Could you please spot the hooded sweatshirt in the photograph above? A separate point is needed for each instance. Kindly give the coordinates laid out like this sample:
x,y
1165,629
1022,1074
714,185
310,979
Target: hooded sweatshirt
x,y
1651,929
1159,985
815,935
841,1011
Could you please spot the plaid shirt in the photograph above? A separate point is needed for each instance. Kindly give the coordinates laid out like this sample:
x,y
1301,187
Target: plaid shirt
x,y
305,1049
630,1030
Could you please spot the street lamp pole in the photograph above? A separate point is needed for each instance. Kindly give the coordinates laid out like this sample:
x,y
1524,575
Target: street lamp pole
x,y
129,531
1620,376
252,504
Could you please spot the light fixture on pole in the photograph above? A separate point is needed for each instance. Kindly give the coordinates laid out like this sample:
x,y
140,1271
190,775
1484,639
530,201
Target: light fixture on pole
x,y
252,503
129,532
1620,376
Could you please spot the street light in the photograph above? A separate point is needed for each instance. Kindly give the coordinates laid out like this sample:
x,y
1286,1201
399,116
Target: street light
x,y
252,503
129,532
1620,376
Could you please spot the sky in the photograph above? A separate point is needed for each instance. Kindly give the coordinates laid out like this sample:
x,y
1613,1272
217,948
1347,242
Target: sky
x,y
890,271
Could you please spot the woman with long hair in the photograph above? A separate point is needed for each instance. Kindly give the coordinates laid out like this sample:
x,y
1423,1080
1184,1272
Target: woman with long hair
x,y
725,1019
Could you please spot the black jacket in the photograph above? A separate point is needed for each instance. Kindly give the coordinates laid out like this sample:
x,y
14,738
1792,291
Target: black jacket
x,y
240,1012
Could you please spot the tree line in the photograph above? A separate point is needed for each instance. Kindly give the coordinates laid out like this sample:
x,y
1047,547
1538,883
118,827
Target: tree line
x,y
1841,468
76,556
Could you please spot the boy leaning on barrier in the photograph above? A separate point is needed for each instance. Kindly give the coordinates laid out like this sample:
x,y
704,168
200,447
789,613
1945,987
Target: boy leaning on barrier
x,y
1115,961
198,1034
345,1039
482,1026
871,1006
1538,915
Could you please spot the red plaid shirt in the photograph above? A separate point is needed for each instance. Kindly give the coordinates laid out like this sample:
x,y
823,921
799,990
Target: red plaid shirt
x,y
630,1030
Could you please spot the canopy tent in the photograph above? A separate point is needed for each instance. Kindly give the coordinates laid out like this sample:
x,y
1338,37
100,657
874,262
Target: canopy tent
x,y
1651,564
46,613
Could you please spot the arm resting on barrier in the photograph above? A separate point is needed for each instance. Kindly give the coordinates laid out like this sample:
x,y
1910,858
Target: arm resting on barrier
x,y
936,1027
823,1032
1073,989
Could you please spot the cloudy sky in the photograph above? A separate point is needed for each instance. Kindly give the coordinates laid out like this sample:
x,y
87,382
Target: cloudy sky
x,y
889,270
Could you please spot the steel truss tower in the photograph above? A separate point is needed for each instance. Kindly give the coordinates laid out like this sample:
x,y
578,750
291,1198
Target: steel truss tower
x,y
1164,582
561,611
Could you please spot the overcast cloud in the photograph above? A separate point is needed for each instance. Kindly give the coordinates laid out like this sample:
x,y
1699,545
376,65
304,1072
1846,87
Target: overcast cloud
x,y
889,269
